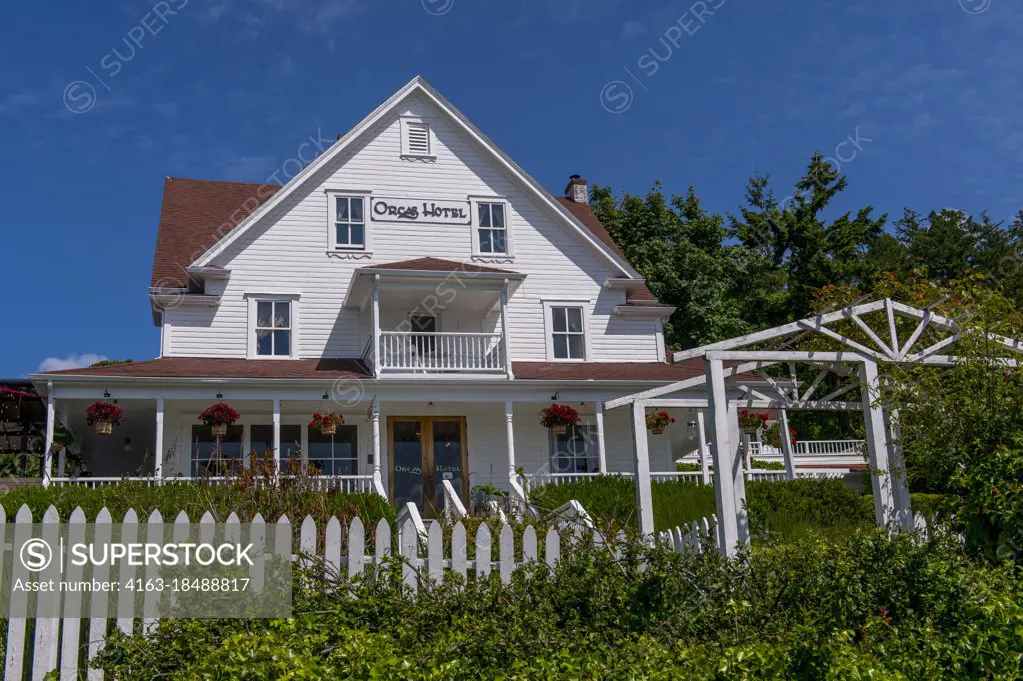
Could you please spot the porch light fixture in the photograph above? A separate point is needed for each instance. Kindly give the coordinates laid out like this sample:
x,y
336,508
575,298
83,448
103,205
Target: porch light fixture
x,y
127,444
106,394
691,424
326,396
554,397
220,396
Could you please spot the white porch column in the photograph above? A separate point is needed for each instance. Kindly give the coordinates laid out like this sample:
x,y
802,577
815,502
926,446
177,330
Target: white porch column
x,y
786,446
504,330
598,408
376,327
877,446
644,494
721,449
50,416
277,435
704,449
737,440
510,435
158,457
378,483
900,486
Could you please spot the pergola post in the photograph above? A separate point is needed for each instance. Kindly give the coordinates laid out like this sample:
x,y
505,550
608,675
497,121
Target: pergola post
x,y
900,485
737,440
786,446
877,446
724,494
701,427
644,492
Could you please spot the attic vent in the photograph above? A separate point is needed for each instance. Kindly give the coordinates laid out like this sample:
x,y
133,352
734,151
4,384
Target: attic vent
x,y
415,138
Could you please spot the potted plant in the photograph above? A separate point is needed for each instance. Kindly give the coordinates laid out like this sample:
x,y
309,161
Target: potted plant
x,y
750,421
773,436
327,423
104,416
558,417
656,422
61,438
219,417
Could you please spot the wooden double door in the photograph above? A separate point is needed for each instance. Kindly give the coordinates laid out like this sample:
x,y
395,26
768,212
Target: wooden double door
x,y
424,452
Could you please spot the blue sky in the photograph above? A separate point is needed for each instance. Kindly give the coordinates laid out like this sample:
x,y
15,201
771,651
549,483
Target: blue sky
x,y
228,89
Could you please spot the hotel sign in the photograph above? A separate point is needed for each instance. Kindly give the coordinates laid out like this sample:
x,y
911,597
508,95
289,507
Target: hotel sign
x,y
420,210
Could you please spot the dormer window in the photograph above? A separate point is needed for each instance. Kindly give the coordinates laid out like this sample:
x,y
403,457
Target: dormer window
x,y
416,139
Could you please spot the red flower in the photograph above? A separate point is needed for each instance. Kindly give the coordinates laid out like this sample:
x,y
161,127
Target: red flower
x,y
321,420
658,420
559,415
104,411
752,420
219,414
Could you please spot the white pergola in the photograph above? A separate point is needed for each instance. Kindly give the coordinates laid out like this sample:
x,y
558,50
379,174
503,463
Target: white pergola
x,y
854,362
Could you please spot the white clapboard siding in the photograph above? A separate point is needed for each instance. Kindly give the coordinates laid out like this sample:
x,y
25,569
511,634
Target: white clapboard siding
x,y
57,643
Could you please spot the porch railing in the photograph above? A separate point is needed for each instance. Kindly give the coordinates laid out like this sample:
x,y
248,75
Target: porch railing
x,y
838,449
441,352
544,478
320,483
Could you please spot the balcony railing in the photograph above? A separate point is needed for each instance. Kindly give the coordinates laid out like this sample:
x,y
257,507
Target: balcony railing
x,y
441,352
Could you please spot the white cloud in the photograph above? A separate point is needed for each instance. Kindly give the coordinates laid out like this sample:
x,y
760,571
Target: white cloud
x,y
70,362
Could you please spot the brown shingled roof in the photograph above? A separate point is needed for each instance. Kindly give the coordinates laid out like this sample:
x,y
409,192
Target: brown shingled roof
x,y
195,215
437,265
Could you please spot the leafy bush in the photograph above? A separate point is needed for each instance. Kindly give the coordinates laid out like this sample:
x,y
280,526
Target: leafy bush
x,y
783,508
196,499
866,607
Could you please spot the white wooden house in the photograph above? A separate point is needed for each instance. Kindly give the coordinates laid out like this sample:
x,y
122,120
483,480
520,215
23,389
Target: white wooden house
x,y
411,277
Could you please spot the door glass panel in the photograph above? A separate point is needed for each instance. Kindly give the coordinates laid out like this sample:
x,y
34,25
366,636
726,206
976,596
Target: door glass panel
x,y
447,459
408,462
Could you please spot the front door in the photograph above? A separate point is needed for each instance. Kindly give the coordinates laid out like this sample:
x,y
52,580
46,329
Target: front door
x,y
425,451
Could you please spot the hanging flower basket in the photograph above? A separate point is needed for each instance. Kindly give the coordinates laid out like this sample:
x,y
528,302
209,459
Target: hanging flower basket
x,y
656,422
558,417
218,418
327,423
750,421
104,416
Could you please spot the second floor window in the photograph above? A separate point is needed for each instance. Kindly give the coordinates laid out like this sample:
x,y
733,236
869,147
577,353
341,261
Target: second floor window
x,y
568,336
273,328
349,223
493,231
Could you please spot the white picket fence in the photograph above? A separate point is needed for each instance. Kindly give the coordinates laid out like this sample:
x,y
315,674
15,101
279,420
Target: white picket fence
x,y
697,536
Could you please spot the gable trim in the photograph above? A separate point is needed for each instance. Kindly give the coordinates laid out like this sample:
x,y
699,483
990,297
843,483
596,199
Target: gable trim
x,y
417,84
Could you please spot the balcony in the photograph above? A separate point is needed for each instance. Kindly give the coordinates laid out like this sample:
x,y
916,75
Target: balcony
x,y
403,352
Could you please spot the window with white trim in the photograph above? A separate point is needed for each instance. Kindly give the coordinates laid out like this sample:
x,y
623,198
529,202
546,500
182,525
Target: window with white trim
x,y
492,229
416,139
349,231
575,451
273,328
568,332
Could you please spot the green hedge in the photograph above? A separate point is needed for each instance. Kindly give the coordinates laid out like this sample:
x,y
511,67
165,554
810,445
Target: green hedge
x,y
865,607
784,508
196,499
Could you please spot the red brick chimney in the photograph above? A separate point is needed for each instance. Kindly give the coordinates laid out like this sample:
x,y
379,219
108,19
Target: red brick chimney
x,y
577,190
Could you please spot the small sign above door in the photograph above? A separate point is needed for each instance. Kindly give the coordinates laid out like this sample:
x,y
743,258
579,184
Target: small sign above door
x,y
420,210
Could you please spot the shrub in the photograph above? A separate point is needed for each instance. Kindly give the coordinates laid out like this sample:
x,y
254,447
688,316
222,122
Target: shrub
x,y
196,499
865,607
782,509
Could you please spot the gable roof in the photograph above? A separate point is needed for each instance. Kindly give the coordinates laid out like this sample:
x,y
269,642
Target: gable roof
x,y
415,86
